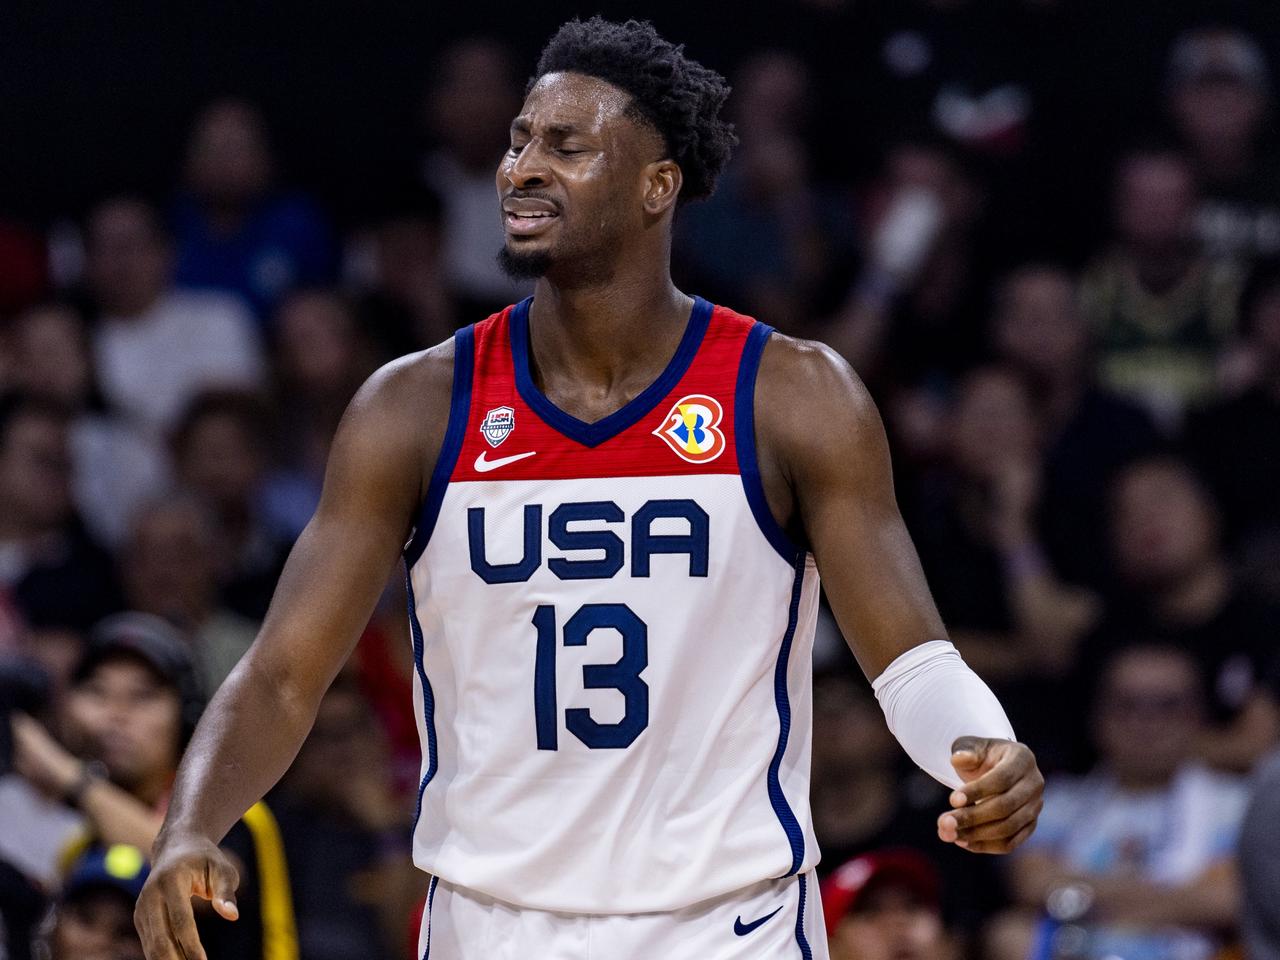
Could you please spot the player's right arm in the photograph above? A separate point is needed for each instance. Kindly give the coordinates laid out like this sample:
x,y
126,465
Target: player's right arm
x,y
377,474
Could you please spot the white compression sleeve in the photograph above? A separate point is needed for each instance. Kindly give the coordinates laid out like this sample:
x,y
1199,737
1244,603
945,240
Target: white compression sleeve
x,y
930,697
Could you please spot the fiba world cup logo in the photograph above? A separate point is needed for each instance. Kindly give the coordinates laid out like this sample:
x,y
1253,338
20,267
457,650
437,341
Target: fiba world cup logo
x,y
691,428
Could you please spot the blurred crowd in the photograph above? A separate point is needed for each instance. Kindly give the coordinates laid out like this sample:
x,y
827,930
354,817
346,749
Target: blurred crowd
x,y
1086,445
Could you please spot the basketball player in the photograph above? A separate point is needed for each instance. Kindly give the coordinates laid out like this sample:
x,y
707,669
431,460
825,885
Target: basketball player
x,y
616,500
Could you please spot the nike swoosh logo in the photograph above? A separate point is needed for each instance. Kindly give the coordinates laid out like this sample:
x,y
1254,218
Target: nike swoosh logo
x,y
742,929
484,466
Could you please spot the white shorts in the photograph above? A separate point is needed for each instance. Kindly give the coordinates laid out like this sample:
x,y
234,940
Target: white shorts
x,y
772,920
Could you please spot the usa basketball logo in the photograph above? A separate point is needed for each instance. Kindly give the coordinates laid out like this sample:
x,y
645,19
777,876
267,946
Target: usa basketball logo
x,y
690,429
498,424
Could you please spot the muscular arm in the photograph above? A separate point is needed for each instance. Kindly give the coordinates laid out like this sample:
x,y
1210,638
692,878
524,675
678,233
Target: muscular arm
x,y
826,469
254,726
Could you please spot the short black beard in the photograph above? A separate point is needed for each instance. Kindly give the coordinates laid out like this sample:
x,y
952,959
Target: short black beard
x,y
523,266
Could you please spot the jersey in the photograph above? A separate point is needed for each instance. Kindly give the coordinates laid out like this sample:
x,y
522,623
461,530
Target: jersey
x,y
612,637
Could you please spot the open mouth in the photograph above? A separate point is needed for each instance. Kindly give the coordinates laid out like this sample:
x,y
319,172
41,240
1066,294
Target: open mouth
x,y
530,222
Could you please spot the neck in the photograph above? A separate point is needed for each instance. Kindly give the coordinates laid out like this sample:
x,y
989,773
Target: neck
x,y
1134,781
598,333
1196,596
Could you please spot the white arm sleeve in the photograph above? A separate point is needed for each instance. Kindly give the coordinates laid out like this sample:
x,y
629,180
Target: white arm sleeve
x,y
930,697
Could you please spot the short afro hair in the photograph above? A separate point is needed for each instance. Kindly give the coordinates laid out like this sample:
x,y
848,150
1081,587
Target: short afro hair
x,y
677,96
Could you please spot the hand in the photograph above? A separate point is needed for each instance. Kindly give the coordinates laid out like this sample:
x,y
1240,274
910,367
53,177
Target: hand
x,y
997,807
184,867
44,762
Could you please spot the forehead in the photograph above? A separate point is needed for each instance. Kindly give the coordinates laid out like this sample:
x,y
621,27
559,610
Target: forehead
x,y
587,104
125,668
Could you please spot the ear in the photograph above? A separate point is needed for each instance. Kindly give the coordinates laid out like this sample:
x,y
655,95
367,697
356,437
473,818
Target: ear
x,y
662,186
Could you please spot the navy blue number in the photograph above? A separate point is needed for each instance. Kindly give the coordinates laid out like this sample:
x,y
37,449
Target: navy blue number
x,y
622,675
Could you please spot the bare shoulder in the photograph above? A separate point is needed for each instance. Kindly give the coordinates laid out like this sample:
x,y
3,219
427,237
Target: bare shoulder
x,y
809,399
417,385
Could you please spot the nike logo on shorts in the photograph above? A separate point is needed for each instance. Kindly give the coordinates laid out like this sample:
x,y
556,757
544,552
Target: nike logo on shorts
x,y
484,466
742,929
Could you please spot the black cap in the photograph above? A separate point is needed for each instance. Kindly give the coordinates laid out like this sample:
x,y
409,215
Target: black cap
x,y
118,867
157,643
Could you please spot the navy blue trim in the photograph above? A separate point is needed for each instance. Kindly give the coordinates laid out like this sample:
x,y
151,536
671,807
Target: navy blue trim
x,y
744,430
787,817
594,434
805,950
431,899
428,697
464,349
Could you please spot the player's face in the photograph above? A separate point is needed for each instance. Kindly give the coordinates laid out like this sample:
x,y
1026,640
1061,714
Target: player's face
x,y
573,182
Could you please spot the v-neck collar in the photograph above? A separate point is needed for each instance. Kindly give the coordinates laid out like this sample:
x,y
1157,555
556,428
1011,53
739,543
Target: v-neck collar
x,y
594,434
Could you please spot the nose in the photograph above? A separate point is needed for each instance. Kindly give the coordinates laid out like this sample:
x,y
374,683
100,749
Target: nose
x,y
528,168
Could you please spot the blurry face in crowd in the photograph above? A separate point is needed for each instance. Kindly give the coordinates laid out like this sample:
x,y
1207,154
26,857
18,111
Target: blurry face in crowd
x,y
317,339
577,154
993,422
52,356
1155,200
169,566
889,923
771,95
1148,716
473,101
35,471
1214,113
126,716
95,925
408,252
221,460
228,160
914,166
1038,325
853,749
127,260
1163,526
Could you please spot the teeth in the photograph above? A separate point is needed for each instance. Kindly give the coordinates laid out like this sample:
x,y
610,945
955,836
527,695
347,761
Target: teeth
x,y
533,216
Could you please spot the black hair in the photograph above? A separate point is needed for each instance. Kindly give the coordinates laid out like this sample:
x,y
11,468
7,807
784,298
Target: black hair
x,y
679,97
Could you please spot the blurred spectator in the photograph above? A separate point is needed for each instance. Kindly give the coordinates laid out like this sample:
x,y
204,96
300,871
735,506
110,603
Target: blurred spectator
x,y
1260,864
913,310
135,703
1009,613
347,837
404,301
1218,93
1236,441
1088,431
23,268
863,800
770,237
114,465
885,906
170,568
156,345
1161,311
221,455
469,107
234,229
1178,588
1135,858
50,568
322,358
93,919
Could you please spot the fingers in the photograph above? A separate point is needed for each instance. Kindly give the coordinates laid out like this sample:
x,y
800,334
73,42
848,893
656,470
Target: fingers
x,y
153,927
1008,762
221,881
1002,846
181,921
1021,793
1002,829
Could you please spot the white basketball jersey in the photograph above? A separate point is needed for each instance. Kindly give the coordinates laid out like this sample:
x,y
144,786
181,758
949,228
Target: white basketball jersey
x,y
612,635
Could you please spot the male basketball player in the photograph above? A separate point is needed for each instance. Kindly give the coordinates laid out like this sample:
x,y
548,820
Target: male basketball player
x,y
616,499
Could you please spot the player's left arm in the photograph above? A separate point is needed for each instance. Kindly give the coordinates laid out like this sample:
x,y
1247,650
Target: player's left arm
x,y
826,469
